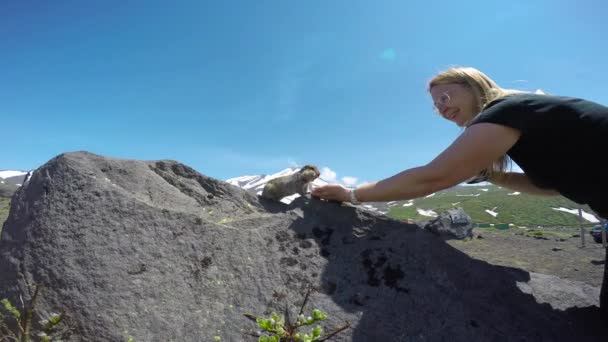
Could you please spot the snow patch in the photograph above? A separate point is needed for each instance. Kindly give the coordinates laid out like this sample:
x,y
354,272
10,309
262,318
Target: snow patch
x,y
492,212
587,216
10,173
429,213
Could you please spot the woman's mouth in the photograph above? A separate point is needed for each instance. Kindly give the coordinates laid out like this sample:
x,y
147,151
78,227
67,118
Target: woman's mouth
x,y
452,115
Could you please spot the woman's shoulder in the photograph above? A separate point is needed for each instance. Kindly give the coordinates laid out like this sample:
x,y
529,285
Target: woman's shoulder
x,y
532,109
514,109
536,101
523,98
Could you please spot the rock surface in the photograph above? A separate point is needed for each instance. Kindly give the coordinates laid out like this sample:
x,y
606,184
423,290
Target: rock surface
x,y
156,251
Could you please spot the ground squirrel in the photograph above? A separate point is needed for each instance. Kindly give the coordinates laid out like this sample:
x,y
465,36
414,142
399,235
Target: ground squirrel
x,y
280,187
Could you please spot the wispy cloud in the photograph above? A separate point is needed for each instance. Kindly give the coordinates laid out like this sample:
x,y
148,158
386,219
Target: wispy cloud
x,y
331,176
388,54
349,181
328,175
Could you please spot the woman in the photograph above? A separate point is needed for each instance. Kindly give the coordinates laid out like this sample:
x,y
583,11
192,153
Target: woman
x,y
556,141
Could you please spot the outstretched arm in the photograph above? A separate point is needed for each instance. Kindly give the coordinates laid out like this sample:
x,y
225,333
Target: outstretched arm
x,y
473,151
520,182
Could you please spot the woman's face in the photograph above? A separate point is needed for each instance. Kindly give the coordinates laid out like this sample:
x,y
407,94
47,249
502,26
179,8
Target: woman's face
x,y
455,102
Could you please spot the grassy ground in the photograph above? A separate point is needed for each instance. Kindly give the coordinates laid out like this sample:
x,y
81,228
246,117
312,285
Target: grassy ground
x,y
520,210
4,208
7,190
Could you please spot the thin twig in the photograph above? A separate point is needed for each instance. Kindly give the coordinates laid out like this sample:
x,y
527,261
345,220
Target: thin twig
x,y
251,317
9,333
287,317
305,300
29,314
335,332
252,334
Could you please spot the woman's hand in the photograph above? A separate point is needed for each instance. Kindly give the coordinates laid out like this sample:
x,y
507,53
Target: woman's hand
x,y
332,192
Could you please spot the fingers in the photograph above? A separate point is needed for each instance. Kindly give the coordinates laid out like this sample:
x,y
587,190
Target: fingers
x,y
319,192
323,192
328,192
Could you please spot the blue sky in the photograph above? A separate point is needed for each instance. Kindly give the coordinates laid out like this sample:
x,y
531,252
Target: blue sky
x,y
233,88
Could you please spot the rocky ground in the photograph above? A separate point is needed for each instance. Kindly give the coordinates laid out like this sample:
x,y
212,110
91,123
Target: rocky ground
x,y
556,252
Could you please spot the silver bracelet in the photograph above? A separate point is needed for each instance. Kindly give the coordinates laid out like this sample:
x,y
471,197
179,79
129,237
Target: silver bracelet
x,y
353,196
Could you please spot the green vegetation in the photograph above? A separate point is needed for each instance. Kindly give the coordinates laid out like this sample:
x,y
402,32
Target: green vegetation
x,y
7,190
51,328
520,210
5,206
282,329
278,328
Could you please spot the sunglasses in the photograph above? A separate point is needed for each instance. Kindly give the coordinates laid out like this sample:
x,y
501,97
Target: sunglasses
x,y
442,101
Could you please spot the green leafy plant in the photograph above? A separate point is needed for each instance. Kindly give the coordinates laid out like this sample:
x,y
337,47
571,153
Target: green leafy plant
x,y
283,329
50,329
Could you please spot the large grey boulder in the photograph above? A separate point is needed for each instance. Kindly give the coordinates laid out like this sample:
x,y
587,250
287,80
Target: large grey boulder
x,y
156,251
452,223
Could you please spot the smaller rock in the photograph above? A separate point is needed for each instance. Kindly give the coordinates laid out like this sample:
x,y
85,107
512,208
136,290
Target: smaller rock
x,y
555,249
452,222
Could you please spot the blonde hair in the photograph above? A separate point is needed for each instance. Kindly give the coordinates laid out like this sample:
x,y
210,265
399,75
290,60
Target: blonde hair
x,y
485,90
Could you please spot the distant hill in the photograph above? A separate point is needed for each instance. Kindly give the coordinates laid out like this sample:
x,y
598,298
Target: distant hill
x,y
4,208
485,203
10,181
7,190
12,177
492,204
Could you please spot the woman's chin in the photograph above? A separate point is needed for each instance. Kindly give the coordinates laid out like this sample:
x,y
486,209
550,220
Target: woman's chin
x,y
461,123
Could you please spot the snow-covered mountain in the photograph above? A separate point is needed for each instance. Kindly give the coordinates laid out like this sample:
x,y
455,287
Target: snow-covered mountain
x,y
10,181
12,177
